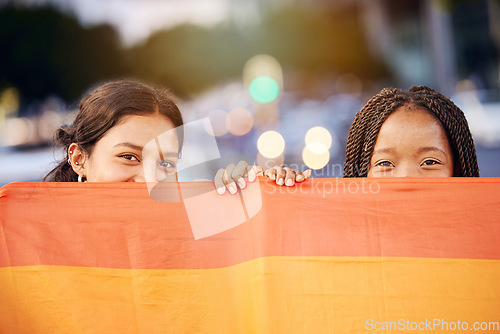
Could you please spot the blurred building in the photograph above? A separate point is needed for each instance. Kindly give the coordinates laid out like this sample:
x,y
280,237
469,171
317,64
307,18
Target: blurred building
x,y
432,42
436,42
450,45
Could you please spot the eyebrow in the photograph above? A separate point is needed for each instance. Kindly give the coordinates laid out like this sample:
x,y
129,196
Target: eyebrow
x,y
140,148
431,148
383,150
130,145
420,150
168,154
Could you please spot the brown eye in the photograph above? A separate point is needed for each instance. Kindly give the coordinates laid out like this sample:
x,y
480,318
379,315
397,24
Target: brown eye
x,y
384,164
129,157
430,162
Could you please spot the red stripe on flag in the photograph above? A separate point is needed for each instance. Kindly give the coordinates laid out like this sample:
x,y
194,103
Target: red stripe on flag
x,y
119,226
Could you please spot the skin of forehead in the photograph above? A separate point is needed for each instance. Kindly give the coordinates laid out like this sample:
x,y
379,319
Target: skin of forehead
x,y
143,126
416,114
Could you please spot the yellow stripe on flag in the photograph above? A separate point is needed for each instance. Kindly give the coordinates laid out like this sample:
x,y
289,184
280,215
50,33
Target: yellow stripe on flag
x,y
266,295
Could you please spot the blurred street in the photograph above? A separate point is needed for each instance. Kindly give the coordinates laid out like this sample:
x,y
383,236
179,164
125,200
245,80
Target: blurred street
x,y
280,81
33,164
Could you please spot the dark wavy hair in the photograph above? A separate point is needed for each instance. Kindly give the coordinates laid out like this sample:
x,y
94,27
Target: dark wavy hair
x,y
103,108
368,121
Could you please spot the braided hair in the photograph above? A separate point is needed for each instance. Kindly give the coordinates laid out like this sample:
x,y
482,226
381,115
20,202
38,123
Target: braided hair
x,y
105,107
368,121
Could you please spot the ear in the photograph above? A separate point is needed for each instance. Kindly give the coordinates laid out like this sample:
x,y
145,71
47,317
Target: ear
x,y
77,159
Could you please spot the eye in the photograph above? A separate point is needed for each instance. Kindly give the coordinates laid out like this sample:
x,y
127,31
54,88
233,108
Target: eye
x,y
130,157
384,163
166,164
430,162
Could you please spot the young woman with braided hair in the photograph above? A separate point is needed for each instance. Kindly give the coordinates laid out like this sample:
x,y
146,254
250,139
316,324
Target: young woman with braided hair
x,y
413,133
395,123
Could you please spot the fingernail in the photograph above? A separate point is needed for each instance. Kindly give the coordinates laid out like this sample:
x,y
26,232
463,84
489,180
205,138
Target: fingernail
x,y
221,190
300,178
280,182
232,189
251,175
289,182
242,183
272,177
307,173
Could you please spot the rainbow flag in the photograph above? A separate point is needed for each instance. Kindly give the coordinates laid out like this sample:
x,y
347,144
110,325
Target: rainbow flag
x,y
326,256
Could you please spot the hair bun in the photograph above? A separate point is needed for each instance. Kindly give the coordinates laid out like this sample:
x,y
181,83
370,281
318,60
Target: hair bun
x,y
64,135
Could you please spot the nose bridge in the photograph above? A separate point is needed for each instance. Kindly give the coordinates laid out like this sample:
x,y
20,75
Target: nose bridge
x,y
405,169
139,174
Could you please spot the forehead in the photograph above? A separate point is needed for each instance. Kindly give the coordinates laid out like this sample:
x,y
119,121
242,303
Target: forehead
x,y
412,112
140,129
413,124
411,117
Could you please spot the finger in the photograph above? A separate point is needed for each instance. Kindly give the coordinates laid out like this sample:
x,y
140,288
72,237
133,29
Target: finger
x,y
302,176
299,176
239,172
219,181
270,173
280,175
254,171
230,183
289,177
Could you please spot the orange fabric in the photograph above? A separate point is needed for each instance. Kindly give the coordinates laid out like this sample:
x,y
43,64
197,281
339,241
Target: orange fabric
x,y
322,257
119,226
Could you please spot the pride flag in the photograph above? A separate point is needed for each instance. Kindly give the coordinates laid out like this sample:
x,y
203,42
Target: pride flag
x,y
326,256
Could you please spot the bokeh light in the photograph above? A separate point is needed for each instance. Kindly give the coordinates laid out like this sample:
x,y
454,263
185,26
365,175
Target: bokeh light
x,y
314,160
9,104
263,77
47,124
271,144
18,131
9,100
318,140
262,65
264,89
239,121
218,121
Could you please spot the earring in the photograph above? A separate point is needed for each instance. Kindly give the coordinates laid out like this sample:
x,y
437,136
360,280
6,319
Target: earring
x,y
69,162
76,162
81,178
70,152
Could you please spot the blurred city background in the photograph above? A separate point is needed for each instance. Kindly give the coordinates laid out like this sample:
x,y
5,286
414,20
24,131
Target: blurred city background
x,y
280,80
